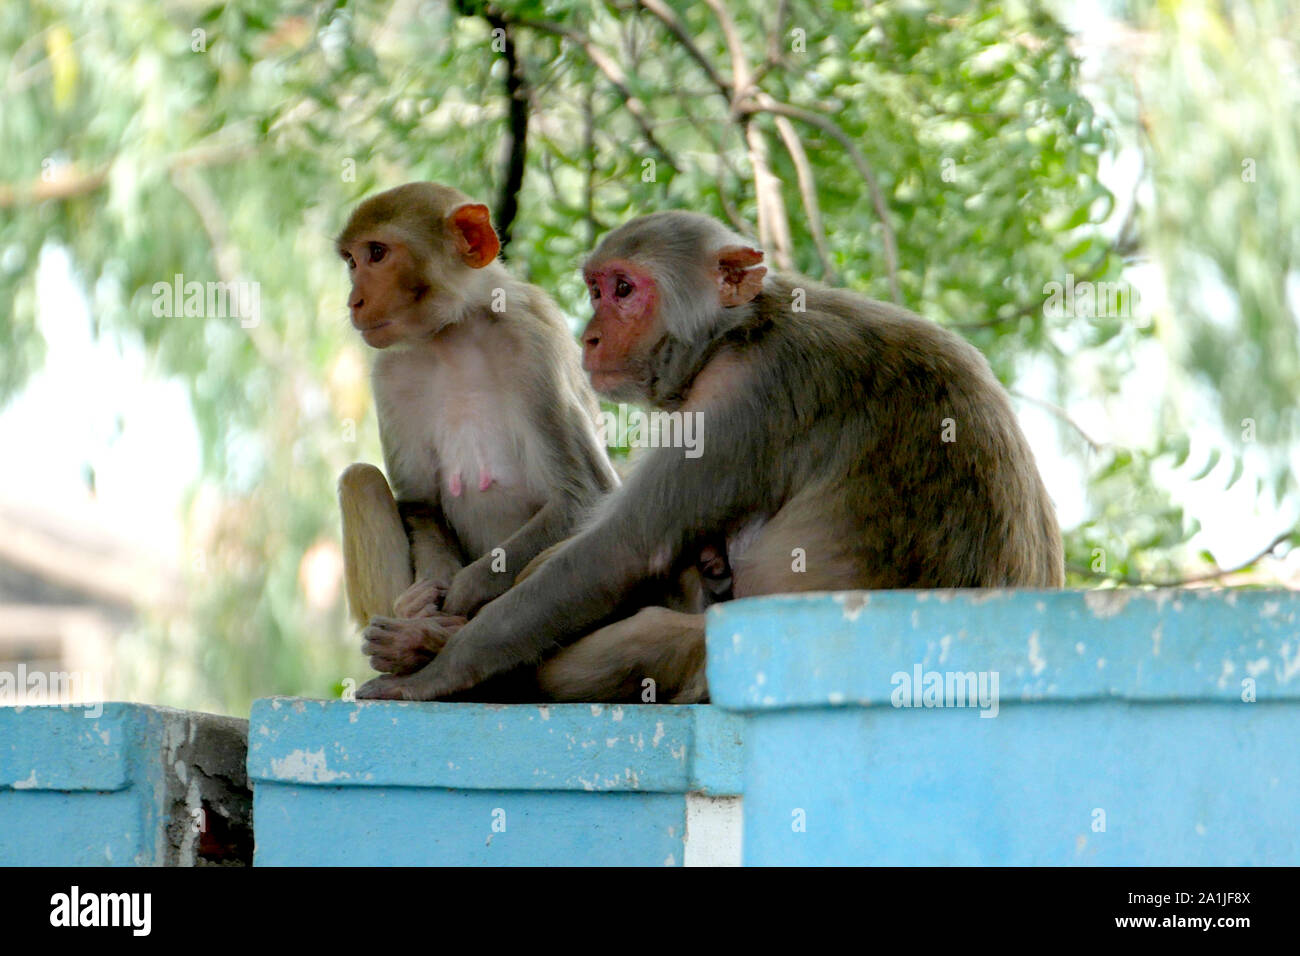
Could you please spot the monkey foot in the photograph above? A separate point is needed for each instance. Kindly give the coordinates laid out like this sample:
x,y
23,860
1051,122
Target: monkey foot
x,y
386,687
421,599
402,645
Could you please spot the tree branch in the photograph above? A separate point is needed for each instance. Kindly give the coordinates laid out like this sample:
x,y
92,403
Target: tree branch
x,y
764,102
1062,414
612,72
773,220
517,133
1197,578
808,190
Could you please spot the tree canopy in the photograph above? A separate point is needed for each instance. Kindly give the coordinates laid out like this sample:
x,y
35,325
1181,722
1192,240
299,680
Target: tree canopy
x,y
953,157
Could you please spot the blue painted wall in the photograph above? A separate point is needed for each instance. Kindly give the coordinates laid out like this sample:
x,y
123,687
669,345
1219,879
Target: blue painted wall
x,y
381,783
1131,728
1124,728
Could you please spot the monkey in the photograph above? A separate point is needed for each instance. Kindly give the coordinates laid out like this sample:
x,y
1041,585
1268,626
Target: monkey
x,y
847,444
486,421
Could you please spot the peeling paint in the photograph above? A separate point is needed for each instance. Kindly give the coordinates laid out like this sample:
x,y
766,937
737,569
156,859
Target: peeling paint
x,y
307,766
1036,660
1290,663
853,602
1107,602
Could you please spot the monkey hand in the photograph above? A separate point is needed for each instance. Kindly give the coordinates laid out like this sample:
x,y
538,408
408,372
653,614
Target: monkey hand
x,y
433,681
475,585
402,645
422,599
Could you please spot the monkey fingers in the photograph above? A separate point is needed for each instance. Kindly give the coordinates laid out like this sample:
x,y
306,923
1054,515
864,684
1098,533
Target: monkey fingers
x,y
384,687
422,599
402,645
474,586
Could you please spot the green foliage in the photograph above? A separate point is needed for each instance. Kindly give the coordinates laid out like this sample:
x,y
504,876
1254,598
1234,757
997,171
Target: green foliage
x,y
149,149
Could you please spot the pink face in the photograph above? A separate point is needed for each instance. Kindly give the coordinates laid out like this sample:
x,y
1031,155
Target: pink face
x,y
379,300
625,300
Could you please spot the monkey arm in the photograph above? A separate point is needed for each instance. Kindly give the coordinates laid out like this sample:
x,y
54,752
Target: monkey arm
x,y
489,576
638,534
435,553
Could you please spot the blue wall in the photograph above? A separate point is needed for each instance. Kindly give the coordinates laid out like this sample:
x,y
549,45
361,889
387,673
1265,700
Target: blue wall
x,y
1103,727
1131,727
377,783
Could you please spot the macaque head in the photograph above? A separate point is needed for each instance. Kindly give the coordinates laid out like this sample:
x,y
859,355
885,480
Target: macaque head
x,y
412,253
669,274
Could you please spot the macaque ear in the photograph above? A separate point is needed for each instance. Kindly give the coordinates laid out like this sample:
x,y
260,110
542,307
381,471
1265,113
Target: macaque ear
x,y
471,226
740,277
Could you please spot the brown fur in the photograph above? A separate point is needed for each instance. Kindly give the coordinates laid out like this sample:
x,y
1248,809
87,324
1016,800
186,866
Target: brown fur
x,y
824,431
486,420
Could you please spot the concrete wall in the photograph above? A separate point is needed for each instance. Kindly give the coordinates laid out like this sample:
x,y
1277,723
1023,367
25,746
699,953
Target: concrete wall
x,y
132,786
375,783
1062,728
1119,727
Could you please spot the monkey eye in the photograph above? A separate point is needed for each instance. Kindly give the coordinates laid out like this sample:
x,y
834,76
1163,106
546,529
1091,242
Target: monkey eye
x,y
377,251
347,257
622,289
595,292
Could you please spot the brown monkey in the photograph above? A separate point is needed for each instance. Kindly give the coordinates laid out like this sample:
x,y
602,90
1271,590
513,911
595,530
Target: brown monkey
x,y
486,420
847,444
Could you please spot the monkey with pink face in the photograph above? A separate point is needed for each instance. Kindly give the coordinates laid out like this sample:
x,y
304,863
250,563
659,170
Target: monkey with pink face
x,y
871,441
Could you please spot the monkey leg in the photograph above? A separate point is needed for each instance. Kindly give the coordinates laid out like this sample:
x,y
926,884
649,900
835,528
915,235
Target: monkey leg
x,y
401,646
537,562
376,549
655,655
809,545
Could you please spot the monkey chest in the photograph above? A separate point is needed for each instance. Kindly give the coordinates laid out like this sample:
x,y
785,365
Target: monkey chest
x,y
447,435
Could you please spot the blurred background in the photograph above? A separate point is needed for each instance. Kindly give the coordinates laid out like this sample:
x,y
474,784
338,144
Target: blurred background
x,y
1102,196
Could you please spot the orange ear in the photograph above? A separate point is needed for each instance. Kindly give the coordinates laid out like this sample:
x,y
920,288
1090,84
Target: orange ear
x,y
740,277
471,226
